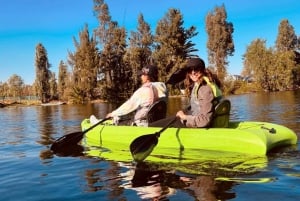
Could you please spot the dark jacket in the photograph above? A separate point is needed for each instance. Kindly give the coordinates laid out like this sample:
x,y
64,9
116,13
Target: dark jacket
x,y
201,112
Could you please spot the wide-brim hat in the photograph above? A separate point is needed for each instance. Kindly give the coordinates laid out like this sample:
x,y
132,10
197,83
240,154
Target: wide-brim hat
x,y
196,64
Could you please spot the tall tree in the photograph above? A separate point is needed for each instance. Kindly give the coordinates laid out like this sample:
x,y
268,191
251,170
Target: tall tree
x,y
286,56
84,62
220,43
101,11
42,67
283,71
139,51
62,80
53,86
286,38
172,43
112,39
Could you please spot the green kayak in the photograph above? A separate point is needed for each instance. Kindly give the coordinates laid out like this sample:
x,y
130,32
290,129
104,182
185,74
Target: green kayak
x,y
240,139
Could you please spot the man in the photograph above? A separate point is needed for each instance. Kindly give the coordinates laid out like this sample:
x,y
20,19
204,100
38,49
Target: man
x,y
141,100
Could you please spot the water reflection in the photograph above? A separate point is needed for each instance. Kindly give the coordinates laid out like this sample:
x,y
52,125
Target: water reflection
x,y
27,133
150,183
159,184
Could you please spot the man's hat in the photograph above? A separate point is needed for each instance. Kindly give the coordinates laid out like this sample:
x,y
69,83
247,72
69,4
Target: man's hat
x,y
149,70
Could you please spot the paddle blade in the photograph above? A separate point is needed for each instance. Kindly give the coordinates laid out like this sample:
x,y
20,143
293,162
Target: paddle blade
x,y
72,139
73,150
66,141
142,146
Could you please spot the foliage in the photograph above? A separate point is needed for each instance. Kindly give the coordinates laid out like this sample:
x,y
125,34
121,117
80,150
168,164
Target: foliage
x,y
62,80
286,38
274,69
283,71
220,43
172,43
139,52
85,63
42,67
242,87
114,73
257,61
4,89
53,87
15,85
104,64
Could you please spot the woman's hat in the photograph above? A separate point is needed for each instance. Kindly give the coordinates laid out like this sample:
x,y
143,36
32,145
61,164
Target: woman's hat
x,y
196,64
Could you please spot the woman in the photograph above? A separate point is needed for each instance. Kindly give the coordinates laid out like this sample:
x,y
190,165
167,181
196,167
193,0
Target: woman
x,y
203,88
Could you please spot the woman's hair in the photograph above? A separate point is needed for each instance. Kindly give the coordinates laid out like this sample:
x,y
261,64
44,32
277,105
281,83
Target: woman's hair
x,y
213,78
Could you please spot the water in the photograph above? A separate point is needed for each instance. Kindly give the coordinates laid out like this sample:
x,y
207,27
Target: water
x,y
29,171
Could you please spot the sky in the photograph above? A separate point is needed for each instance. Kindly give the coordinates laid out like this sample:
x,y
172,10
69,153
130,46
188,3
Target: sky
x,y
54,23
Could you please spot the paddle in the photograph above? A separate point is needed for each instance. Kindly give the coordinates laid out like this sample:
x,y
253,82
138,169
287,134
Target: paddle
x,y
142,146
71,140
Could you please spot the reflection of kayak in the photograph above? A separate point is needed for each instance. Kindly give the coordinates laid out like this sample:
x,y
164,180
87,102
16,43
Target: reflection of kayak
x,y
204,162
184,144
53,103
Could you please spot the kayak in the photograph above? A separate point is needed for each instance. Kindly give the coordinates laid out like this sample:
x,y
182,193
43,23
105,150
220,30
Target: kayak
x,y
239,140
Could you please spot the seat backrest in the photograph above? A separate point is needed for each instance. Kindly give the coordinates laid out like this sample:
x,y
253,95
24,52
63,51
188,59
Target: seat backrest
x,y
221,114
157,111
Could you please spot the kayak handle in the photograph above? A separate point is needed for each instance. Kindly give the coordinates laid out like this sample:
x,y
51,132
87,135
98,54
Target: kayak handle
x,y
271,130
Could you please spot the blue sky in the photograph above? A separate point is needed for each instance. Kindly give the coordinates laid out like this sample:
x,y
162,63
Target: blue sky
x,y
54,23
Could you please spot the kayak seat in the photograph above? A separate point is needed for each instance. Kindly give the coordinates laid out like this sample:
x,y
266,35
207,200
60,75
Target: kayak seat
x,y
157,111
221,114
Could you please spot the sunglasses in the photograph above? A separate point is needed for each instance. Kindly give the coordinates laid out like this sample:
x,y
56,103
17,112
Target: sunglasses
x,y
190,70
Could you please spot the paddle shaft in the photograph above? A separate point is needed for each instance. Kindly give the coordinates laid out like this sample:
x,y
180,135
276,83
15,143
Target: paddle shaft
x,y
166,126
142,146
93,126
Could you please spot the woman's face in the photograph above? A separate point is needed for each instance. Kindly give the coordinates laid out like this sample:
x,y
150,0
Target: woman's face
x,y
195,75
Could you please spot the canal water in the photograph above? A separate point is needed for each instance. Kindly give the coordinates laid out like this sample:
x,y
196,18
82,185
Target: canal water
x,y
31,172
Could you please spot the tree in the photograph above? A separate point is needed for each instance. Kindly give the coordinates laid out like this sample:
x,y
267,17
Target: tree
x,y
286,38
114,73
286,56
140,49
53,86
172,43
220,43
15,84
42,67
283,71
257,63
4,90
84,62
62,80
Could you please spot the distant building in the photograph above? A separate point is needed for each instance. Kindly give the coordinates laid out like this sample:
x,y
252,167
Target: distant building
x,y
248,79
233,78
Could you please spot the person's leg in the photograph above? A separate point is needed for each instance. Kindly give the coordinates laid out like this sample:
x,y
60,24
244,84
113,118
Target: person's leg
x,y
165,121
